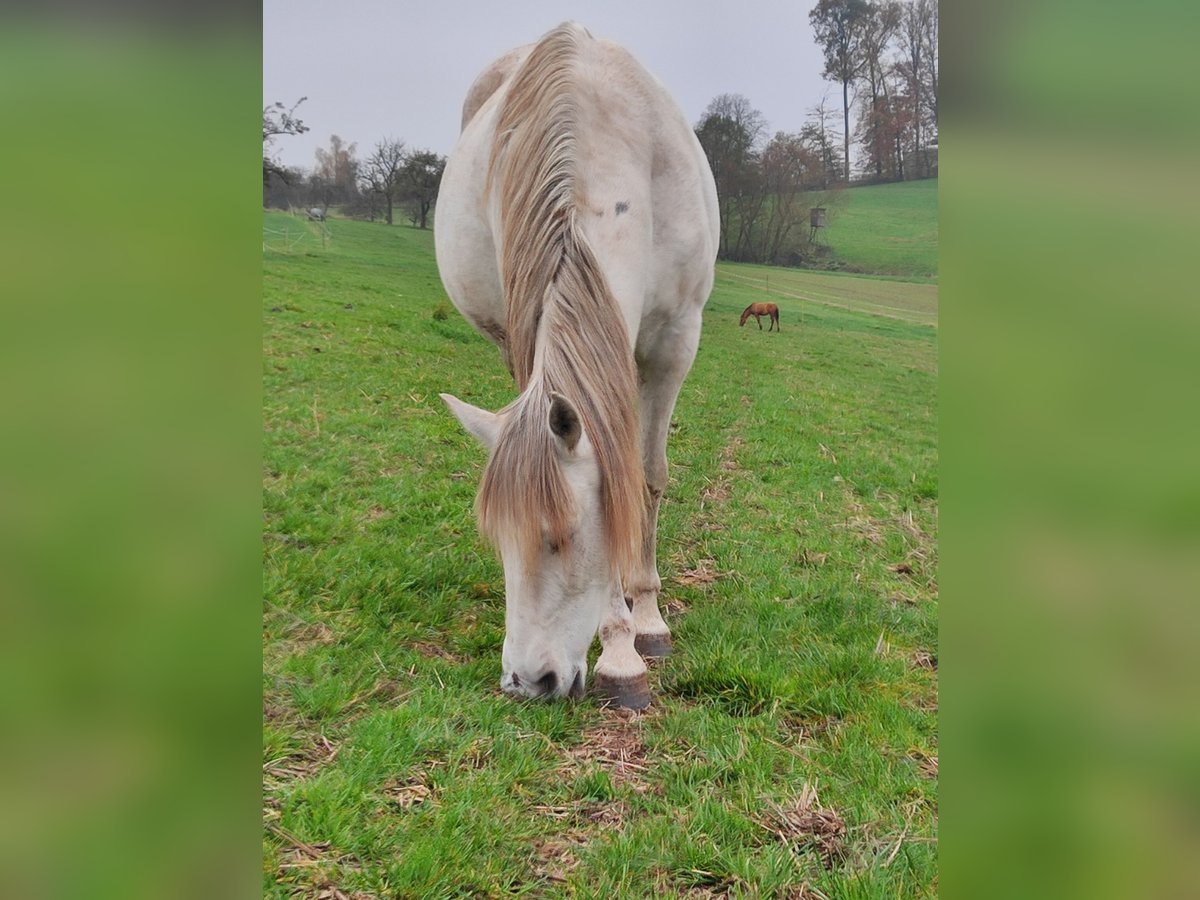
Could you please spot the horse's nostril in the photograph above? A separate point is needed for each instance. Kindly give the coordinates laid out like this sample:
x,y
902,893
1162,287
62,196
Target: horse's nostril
x,y
576,691
547,683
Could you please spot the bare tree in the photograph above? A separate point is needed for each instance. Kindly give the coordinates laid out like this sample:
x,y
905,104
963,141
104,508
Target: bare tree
x,y
729,131
816,133
878,27
837,25
739,110
790,169
918,63
337,172
422,176
382,174
279,120
929,39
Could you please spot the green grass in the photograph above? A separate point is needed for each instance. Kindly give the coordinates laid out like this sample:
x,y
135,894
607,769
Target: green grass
x,y
797,549
799,290
887,229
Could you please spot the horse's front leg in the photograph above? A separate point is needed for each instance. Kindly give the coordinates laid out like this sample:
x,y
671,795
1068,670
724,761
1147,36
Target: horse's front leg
x,y
758,319
661,380
620,675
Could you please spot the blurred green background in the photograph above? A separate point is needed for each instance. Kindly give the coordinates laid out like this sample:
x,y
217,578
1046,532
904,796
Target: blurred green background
x,y
129,490
1071,493
129,466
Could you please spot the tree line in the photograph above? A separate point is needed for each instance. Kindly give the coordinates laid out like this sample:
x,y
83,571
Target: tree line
x,y
767,188
391,176
884,53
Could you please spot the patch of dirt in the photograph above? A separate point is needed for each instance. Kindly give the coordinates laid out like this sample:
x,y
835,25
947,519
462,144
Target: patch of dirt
x,y
804,824
555,857
609,815
311,634
476,755
927,765
926,704
717,492
405,793
810,559
375,513
721,889
430,650
276,710
700,884
802,728
615,746
672,607
858,521
312,870
804,892
923,659
703,572
729,453
383,689
332,892
300,764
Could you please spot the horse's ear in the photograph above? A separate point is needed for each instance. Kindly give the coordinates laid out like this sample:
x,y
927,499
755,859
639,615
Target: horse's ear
x,y
481,423
564,422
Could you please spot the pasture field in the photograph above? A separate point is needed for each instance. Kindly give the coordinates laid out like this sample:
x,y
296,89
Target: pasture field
x,y
914,303
791,748
887,229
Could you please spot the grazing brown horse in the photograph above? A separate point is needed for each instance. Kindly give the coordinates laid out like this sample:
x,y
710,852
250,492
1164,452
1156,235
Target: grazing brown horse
x,y
761,309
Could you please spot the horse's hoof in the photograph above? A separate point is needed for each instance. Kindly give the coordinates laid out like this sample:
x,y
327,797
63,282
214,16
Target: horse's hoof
x,y
630,693
654,646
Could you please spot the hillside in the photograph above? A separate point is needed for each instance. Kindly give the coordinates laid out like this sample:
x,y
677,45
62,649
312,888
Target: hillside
x,y
886,229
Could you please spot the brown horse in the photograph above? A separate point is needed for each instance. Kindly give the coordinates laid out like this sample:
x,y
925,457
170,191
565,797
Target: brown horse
x,y
761,309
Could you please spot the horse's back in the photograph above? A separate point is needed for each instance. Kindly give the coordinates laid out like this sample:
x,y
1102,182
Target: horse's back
x,y
651,196
645,197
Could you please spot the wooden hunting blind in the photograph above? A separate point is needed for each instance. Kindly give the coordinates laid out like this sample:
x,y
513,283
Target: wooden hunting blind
x,y
816,218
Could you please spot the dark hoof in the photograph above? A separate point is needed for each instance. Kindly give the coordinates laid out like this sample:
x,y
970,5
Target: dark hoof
x,y
631,693
654,646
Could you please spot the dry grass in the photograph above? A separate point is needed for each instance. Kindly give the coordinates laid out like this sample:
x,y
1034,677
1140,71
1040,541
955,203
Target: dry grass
x,y
703,572
300,764
314,870
927,765
805,825
616,747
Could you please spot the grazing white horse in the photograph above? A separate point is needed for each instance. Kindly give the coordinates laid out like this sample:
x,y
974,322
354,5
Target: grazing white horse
x,y
577,229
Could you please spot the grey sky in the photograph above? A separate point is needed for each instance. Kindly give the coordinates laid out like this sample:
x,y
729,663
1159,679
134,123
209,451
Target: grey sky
x,y
372,68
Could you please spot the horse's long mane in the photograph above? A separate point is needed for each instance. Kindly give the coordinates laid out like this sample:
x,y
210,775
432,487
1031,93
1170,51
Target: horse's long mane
x,y
566,333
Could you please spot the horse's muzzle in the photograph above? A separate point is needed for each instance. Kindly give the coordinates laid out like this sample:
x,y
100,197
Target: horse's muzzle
x,y
548,685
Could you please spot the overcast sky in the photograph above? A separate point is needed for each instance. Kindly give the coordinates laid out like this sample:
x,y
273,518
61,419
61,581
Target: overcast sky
x,y
374,69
